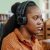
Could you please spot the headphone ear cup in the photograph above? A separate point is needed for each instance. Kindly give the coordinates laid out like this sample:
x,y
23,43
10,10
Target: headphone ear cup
x,y
21,20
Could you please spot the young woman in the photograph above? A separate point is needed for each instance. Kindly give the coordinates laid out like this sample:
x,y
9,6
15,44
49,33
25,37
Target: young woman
x,y
28,19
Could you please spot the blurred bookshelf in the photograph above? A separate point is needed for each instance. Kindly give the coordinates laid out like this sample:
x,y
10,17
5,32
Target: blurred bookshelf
x,y
48,29
3,19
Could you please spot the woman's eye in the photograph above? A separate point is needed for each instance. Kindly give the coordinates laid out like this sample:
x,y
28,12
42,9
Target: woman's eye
x,y
35,17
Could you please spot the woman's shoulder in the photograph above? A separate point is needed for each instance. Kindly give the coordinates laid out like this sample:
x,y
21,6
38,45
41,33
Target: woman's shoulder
x,y
10,41
9,37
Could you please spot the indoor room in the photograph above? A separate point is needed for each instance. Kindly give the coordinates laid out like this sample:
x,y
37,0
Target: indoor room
x,y
6,12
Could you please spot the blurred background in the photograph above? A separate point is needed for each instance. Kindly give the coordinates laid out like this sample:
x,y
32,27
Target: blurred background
x,y
44,5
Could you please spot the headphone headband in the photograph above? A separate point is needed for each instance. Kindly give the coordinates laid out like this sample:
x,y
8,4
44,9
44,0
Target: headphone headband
x,y
22,7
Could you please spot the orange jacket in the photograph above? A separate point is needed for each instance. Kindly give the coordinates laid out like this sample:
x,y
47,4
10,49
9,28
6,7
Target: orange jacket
x,y
15,41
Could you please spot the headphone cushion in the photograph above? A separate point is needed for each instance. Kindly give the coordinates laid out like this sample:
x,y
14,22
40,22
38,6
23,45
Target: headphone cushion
x,y
21,20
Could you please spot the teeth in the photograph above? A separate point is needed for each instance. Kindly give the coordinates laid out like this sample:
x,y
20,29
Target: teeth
x,y
39,28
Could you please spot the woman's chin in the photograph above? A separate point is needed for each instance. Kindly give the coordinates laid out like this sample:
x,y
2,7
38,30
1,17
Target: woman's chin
x,y
37,32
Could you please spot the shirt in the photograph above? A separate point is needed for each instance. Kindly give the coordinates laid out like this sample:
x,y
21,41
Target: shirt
x,y
15,41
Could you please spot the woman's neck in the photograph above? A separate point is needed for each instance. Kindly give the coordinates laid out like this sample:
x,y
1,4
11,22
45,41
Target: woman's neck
x,y
25,33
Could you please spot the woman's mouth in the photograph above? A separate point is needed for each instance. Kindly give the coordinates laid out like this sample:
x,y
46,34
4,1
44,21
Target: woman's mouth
x,y
39,28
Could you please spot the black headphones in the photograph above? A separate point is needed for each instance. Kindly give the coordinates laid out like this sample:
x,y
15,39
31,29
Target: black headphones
x,y
21,18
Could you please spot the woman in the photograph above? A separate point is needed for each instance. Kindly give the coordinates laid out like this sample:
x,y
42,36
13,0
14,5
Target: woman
x,y
28,18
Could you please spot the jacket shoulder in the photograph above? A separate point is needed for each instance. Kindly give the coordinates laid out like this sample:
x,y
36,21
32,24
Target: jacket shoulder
x,y
9,37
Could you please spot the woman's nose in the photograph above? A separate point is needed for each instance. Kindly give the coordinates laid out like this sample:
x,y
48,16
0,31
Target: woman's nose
x,y
40,22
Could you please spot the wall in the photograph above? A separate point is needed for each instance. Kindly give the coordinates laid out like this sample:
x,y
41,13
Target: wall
x,y
5,5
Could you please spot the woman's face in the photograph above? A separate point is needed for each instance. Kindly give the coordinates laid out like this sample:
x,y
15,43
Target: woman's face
x,y
35,22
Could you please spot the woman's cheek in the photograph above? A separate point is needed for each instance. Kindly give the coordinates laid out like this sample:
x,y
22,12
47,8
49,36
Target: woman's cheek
x,y
33,25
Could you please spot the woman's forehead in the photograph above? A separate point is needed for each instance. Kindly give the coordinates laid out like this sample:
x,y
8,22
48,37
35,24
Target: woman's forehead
x,y
34,10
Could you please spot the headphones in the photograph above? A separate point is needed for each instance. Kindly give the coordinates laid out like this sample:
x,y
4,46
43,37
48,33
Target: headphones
x,y
21,18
